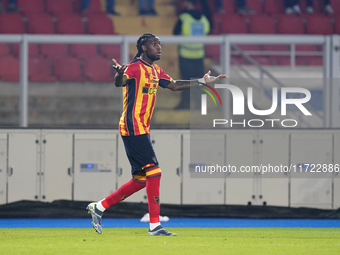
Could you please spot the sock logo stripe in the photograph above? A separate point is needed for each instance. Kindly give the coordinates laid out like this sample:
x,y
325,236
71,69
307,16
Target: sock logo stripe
x,y
152,172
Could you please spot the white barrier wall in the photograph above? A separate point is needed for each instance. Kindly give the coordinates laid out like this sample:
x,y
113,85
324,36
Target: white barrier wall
x,y
47,164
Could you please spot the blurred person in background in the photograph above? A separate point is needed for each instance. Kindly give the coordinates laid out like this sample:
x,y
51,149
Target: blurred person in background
x,y
110,6
292,7
11,6
243,7
146,7
191,22
327,6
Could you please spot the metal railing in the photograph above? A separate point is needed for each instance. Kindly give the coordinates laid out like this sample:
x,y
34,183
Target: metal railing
x,y
225,42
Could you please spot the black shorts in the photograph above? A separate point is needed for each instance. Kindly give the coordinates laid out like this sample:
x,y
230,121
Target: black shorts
x,y
140,152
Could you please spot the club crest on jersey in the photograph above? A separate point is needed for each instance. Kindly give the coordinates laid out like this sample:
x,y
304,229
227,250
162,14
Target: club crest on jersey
x,y
158,201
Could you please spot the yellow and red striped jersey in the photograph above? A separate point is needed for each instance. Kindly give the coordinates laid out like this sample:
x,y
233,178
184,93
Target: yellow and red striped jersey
x,y
139,96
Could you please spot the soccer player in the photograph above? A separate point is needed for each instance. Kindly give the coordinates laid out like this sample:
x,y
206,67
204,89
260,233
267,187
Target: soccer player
x,y
140,80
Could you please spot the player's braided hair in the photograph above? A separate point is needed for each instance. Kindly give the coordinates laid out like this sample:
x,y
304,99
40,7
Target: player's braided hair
x,y
141,40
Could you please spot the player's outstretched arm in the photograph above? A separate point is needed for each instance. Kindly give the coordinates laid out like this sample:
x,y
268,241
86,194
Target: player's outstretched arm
x,y
187,84
120,78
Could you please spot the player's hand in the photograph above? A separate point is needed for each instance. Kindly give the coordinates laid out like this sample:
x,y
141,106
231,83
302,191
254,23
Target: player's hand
x,y
210,79
120,69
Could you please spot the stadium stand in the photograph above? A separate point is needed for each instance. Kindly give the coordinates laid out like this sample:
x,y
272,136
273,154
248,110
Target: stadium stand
x,y
30,7
275,47
55,51
4,49
70,24
94,7
40,70
262,25
337,25
66,17
83,51
100,24
97,69
309,61
68,69
273,6
33,49
11,23
305,47
57,7
110,51
9,68
336,7
288,24
234,24
41,24
255,5
321,25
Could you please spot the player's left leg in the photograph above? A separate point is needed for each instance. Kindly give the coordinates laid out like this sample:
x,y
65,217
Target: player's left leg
x,y
153,179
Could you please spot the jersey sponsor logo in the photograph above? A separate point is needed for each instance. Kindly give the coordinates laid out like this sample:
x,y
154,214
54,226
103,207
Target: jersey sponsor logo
x,y
149,91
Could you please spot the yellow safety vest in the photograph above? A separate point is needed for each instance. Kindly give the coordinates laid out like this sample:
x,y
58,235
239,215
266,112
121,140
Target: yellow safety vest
x,y
191,26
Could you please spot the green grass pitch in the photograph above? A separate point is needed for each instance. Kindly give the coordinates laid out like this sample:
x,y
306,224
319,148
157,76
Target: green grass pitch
x,y
195,241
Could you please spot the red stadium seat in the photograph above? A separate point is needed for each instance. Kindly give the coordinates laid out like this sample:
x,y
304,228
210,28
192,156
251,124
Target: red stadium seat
x,y
98,69
83,51
11,23
234,24
238,60
337,24
262,25
33,49
40,70
57,7
255,5
95,6
273,6
318,6
249,47
54,51
213,51
276,47
280,60
110,51
262,60
40,24
9,68
336,7
289,24
70,24
228,6
306,47
68,69
100,24
319,25
309,61
32,6
4,49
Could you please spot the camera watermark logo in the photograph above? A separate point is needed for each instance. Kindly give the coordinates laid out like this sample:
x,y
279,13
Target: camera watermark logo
x,y
238,107
204,97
